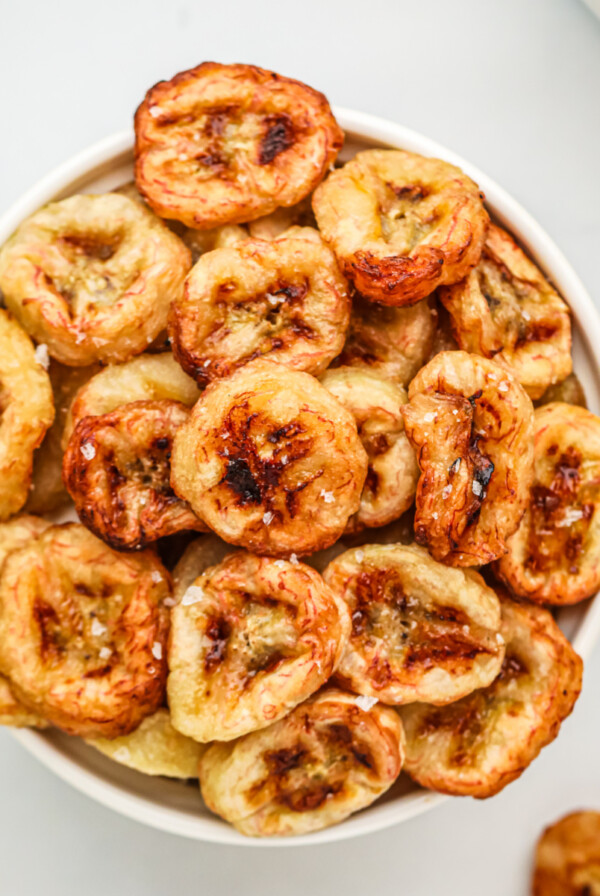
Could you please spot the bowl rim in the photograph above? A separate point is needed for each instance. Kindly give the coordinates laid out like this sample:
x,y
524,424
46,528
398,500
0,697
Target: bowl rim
x,y
101,157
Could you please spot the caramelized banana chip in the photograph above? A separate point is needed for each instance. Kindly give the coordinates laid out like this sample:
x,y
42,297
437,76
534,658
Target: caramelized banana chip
x,y
329,758
477,746
567,859
400,224
92,277
270,461
250,639
285,299
155,748
471,425
117,470
26,412
420,631
394,342
90,650
147,378
223,144
47,491
375,404
505,309
554,556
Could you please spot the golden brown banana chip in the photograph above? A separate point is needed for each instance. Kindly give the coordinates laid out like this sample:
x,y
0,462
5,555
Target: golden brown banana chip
x,y
223,144
329,758
400,224
147,378
375,404
91,651
569,391
394,342
505,309
554,556
250,639
471,425
47,492
270,461
420,631
284,299
478,745
154,748
92,277
12,711
26,412
567,858
117,471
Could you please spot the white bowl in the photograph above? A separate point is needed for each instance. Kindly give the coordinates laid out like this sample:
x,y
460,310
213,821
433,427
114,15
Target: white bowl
x,y
174,806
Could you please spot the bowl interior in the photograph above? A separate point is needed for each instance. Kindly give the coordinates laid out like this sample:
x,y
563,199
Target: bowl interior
x,y
177,806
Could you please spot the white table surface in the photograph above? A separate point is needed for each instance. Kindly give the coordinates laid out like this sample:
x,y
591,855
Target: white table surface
x,y
514,86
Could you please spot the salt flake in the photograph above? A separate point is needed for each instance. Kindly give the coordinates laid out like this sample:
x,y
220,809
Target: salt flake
x,y
446,492
328,497
477,488
88,450
192,596
268,517
503,386
570,516
429,417
157,650
294,560
122,754
42,356
154,111
105,653
156,576
366,703
360,556
97,628
169,602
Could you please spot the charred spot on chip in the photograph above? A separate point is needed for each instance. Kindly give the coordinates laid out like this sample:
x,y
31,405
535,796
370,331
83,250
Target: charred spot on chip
x,y
218,631
90,246
284,760
279,135
412,192
310,798
285,432
239,477
48,624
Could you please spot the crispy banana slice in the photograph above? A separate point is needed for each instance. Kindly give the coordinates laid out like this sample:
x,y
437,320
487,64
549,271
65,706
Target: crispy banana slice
x,y
284,299
569,391
92,277
147,378
330,757
471,425
223,144
505,309
567,859
117,470
400,224
13,713
91,651
375,404
420,631
554,556
250,639
270,461
154,748
394,342
47,492
26,412
477,746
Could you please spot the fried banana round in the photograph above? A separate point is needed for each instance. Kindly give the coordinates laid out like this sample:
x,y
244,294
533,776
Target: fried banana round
x,y
478,745
505,309
554,556
117,471
154,748
400,224
420,631
567,858
147,378
83,632
92,277
251,638
329,758
394,342
569,391
392,476
224,144
47,491
270,461
283,299
471,426
26,412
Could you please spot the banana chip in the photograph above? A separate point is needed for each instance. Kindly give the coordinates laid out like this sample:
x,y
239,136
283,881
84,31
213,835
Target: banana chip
x,y
567,859
250,639
420,631
270,461
400,224
554,556
471,425
477,746
329,758
224,144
